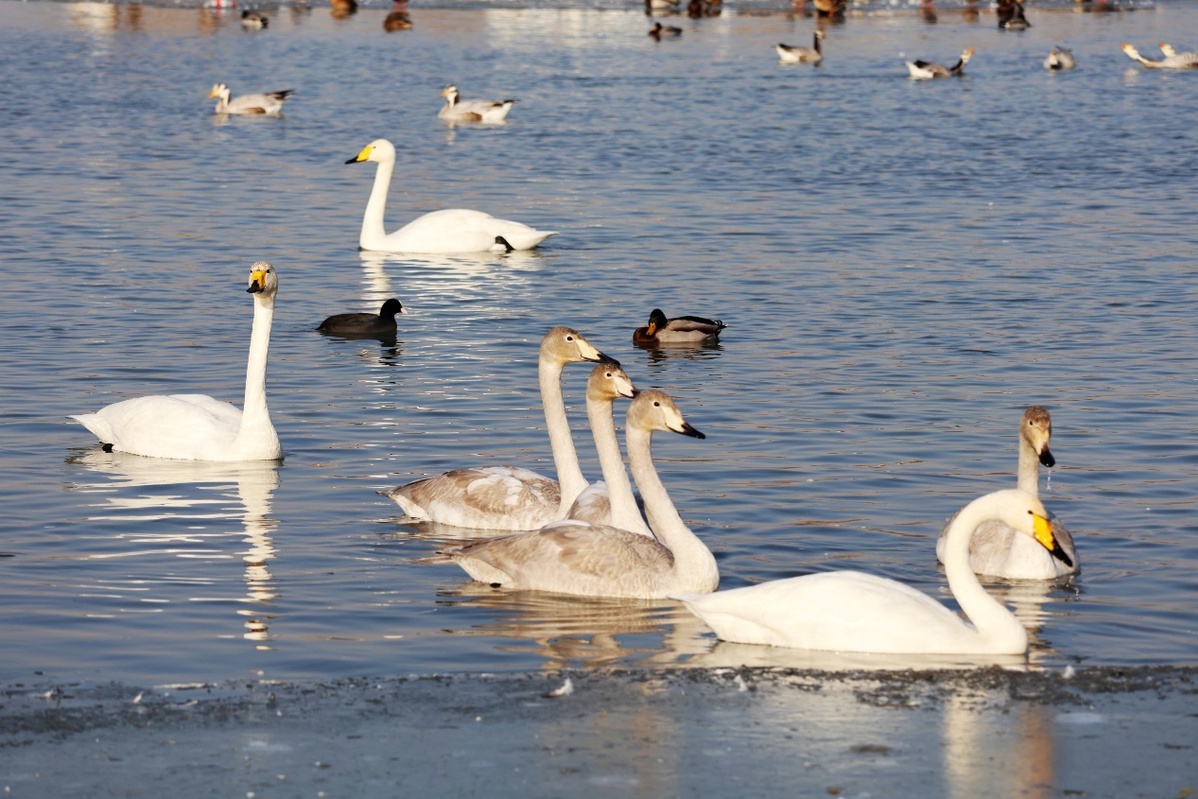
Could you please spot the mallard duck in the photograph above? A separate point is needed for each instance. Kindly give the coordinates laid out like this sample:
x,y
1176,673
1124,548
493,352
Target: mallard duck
x,y
453,230
270,103
458,110
680,329
924,70
659,31
197,427
364,323
1060,58
791,54
1174,61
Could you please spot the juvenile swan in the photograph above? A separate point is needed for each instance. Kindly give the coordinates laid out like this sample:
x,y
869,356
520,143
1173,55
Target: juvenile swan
x,y
848,611
572,557
609,501
995,548
447,231
507,497
196,427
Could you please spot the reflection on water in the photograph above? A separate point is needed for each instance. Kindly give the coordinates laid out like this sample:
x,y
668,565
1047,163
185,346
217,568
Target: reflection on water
x,y
182,505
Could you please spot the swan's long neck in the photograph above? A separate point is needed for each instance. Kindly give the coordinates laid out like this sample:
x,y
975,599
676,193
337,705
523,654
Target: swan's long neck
x,y
994,623
1029,468
565,457
625,514
372,221
816,46
256,429
694,566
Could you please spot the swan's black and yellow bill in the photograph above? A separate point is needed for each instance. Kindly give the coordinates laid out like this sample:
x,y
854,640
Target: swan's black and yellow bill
x,y
362,156
1042,530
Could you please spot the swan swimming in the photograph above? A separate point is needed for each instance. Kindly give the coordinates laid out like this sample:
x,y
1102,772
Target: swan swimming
x,y
196,426
508,497
572,557
999,551
452,230
851,611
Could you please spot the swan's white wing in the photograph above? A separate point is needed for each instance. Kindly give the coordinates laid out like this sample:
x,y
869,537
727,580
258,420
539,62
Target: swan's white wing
x,y
186,426
462,230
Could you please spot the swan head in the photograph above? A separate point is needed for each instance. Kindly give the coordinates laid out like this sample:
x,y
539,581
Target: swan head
x,y
608,382
379,151
263,279
1130,50
654,410
219,90
966,54
1036,429
450,93
566,345
390,308
1023,513
657,320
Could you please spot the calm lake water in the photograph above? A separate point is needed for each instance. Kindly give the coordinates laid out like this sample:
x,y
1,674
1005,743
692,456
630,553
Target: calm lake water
x,y
903,267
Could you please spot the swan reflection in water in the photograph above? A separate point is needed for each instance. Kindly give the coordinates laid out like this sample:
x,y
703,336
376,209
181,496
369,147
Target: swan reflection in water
x,y
431,274
196,494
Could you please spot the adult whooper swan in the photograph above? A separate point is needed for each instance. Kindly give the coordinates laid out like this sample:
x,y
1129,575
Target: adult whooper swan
x,y
925,70
679,330
609,501
849,611
996,549
793,54
507,497
270,103
572,557
1172,59
453,230
369,324
459,110
195,426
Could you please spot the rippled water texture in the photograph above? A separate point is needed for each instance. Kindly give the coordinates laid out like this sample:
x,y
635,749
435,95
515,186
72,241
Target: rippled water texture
x,y
903,267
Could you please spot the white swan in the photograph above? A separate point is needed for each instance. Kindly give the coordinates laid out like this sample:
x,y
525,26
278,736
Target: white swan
x,y
270,103
1172,59
848,611
572,557
459,110
999,551
195,426
924,70
793,54
507,497
1059,58
448,231
609,501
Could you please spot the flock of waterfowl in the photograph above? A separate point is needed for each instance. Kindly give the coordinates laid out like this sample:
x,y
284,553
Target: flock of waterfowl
x,y
567,535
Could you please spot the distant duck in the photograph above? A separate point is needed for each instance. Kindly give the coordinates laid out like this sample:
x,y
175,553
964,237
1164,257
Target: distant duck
x,y
652,6
343,8
928,11
1010,16
458,110
270,103
830,9
1060,58
791,54
923,70
1175,61
658,31
397,21
367,324
252,20
679,330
